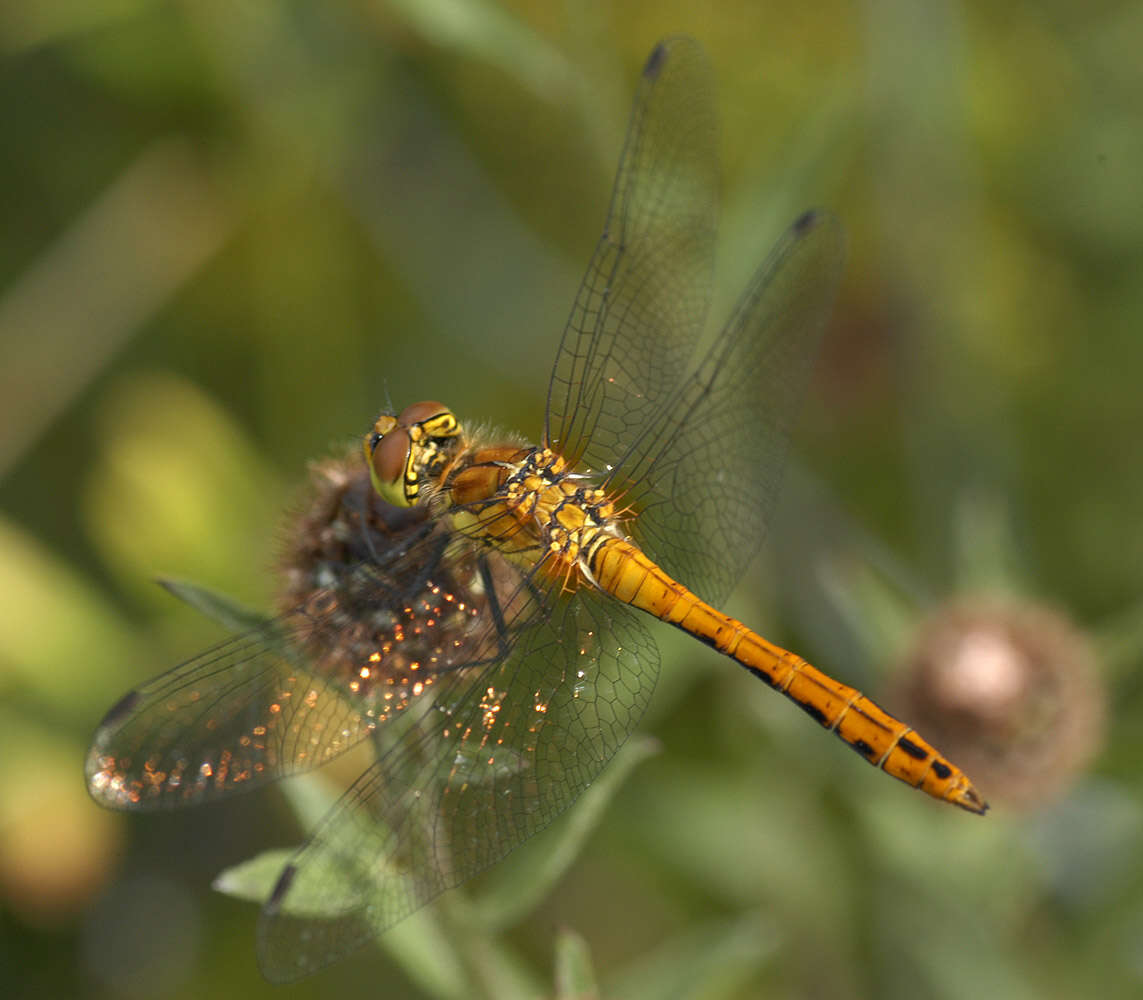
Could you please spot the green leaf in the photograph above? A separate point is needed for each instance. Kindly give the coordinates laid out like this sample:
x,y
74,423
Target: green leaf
x,y
987,554
310,796
575,977
217,607
310,894
871,605
255,878
486,31
517,888
714,959
429,955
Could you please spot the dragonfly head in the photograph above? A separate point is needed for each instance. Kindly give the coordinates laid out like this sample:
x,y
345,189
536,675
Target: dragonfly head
x,y
405,451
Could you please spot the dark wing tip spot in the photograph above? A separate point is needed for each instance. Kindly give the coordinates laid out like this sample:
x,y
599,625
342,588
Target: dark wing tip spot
x,y
281,887
655,62
806,221
120,710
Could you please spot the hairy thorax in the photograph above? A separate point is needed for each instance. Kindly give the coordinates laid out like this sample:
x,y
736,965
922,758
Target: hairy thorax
x,y
531,505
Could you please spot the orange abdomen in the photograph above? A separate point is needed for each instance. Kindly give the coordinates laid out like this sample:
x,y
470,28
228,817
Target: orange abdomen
x,y
620,568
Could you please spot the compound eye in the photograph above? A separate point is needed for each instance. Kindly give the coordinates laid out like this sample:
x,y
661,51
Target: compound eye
x,y
420,413
388,456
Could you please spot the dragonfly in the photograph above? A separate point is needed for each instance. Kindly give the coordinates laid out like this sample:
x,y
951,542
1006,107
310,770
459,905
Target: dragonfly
x,y
480,608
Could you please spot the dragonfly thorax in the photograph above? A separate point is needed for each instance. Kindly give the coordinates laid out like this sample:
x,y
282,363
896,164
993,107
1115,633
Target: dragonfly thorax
x,y
529,503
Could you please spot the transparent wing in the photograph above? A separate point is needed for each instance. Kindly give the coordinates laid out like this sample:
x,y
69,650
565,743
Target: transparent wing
x,y
699,458
498,756
705,471
233,718
644,299
405,602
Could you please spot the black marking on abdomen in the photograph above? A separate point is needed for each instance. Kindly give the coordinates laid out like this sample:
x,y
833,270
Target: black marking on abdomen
x,y
708,640
941,769
761,675
593,551
863,748
911,748
812,711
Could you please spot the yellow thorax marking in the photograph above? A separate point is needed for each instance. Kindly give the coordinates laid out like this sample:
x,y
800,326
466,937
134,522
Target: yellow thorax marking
x,y
539,500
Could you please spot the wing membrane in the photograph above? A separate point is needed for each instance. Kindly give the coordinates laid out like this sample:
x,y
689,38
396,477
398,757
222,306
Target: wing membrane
x,y
232,718
706,472
496,760
295,691
644,298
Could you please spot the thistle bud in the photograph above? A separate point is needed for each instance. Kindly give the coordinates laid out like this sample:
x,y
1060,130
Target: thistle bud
x,y
1009,690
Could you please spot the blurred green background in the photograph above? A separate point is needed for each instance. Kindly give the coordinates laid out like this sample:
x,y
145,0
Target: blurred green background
x,y
231,232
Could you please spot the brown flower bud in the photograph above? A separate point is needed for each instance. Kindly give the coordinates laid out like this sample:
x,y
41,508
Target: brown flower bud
x,y
1011,691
